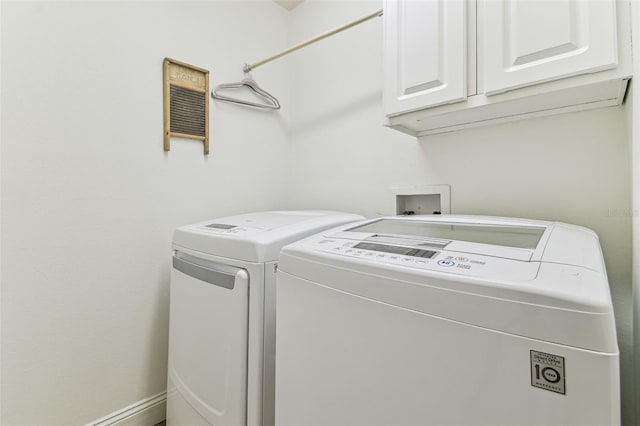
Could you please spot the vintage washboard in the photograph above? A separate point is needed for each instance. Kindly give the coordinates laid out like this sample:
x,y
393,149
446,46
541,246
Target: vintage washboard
x,y
186,103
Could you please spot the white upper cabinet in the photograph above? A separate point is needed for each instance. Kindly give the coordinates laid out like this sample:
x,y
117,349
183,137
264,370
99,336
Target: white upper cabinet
x,y
425,54
533,41
454,64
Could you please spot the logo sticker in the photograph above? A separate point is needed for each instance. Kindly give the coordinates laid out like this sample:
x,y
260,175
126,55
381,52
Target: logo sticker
x,y
547,372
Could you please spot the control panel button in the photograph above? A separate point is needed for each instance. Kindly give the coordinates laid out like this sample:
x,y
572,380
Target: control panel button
x,y
446,262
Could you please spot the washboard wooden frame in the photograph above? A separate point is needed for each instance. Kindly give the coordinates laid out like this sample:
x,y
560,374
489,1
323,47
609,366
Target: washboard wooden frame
x,y
186,102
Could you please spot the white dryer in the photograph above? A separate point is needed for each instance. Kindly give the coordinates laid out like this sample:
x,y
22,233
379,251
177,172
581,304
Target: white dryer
x,y
221,338
446,320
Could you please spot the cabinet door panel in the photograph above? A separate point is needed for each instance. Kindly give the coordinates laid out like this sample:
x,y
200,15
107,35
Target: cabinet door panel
x,y
424,54
525,42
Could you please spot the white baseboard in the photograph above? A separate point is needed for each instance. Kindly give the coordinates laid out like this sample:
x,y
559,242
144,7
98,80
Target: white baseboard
x,y
148,412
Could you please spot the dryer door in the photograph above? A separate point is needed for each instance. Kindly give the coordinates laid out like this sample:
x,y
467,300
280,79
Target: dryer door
x,y
207,343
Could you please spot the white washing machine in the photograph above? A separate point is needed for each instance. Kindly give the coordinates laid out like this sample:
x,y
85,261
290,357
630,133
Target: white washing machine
x,y
221,337
446,320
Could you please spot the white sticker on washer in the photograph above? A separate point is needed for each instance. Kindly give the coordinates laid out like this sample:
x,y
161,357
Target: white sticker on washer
x,y
547,372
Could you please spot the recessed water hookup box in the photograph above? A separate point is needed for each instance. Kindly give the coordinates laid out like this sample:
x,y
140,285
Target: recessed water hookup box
x,y
428,199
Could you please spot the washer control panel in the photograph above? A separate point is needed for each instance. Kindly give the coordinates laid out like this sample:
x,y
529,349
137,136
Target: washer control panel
x,y
431,259
405,251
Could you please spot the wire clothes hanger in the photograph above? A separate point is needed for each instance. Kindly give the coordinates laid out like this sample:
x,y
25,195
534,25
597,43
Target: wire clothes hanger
x,y
270,101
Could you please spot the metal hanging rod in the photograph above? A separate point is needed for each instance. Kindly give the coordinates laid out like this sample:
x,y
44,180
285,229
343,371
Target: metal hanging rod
x,y
249,67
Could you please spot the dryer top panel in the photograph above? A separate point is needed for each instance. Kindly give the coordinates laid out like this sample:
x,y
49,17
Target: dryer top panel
x,y
256,237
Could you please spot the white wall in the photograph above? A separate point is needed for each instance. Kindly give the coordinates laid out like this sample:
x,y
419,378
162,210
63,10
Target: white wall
x,y
90,199
573,167
635,212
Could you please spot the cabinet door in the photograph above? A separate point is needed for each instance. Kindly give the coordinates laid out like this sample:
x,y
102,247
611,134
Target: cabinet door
x,y
524,42
424,54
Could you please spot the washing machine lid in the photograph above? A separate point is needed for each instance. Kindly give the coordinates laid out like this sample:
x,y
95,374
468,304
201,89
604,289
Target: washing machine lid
x,y
549,263
258,236
512,241
526,236
506,238
499,273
